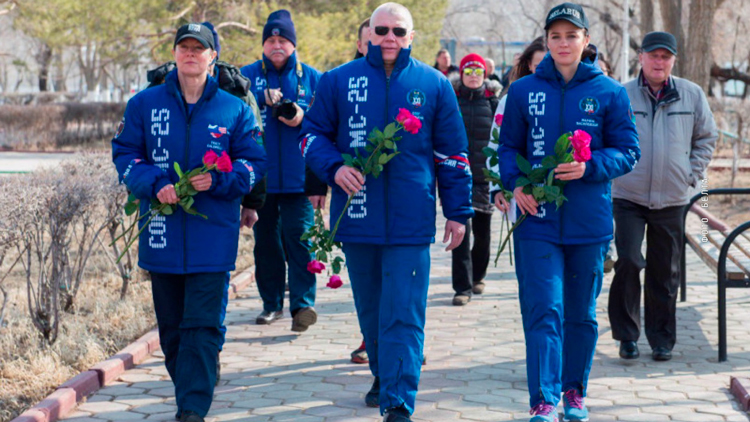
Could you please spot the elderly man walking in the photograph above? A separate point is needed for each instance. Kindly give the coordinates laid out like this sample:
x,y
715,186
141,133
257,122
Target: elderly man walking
x,y
284,88
677,137
388,229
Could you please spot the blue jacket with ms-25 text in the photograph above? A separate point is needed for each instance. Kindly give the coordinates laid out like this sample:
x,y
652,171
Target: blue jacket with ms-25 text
x,y
157,132
399,206
540,108
297,81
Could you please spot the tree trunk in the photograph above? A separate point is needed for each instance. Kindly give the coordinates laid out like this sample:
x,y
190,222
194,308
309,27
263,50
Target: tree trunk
x,y
671,14
59,81
697,59
647,17
44,57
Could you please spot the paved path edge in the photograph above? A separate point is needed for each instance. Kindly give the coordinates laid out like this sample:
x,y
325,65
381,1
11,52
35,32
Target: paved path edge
x,y
75,390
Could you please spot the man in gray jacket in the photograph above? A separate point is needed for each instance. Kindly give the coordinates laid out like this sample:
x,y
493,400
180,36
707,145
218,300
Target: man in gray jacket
x,y
677,136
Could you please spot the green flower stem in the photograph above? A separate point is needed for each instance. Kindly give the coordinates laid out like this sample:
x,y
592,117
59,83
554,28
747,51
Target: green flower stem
x,y
507,238
365,171
152,214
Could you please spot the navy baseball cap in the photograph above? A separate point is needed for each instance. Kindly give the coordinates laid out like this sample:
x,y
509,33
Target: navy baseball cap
x,y
656,40
570,12
196,31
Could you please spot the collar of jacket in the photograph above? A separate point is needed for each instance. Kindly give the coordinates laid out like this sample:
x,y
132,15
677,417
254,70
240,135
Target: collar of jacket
x,y
375,57
588,69
291,63
671,94
173,86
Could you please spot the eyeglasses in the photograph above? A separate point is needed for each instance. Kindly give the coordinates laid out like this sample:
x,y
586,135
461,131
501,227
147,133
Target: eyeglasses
x,y
469,71
397,31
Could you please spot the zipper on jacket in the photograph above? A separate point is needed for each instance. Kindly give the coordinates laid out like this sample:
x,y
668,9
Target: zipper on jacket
x,y
562,105
385,185
184,218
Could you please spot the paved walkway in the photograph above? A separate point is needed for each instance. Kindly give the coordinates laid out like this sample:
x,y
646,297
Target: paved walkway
x,y
475,370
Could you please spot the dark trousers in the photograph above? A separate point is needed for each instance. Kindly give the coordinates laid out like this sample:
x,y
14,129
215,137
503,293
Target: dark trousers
x,y
189,314
664,238
281,222
469,264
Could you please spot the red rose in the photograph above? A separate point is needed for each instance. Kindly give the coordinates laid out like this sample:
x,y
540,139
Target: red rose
x,y
499,119
581,142
335,282
315,266
224,163
412,125
403,115
210,158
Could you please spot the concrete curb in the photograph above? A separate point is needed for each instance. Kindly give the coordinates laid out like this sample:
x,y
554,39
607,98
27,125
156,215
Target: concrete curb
x,y
740,387
67,396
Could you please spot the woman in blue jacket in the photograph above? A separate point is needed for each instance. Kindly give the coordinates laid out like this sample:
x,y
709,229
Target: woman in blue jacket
x,y
189,257
559,252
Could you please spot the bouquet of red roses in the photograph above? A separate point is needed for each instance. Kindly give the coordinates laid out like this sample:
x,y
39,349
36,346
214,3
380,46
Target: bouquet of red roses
x,y
381,148
540,181
185,193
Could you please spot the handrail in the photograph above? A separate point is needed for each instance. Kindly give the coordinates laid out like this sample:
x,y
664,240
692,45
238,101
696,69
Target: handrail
x,y
693,200
722,275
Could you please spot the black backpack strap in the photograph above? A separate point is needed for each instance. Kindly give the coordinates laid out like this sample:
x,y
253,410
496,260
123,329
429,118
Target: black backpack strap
x,y
156,76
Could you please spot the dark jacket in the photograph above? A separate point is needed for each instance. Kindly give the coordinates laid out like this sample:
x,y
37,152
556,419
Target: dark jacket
x,y
158,132
540,108
478,110
399,206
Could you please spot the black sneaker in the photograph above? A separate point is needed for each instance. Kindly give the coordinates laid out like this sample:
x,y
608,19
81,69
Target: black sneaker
x,y
372,398
397,414
190,416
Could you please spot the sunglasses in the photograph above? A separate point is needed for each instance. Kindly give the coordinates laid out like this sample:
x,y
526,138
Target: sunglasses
x,y
397,31
478,71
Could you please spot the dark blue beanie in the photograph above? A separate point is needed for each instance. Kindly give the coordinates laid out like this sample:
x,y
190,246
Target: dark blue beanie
x,y
210,26
280,23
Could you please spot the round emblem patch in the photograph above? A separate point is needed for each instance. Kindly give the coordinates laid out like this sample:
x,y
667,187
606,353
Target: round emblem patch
x,y
275,31
416,98
589,105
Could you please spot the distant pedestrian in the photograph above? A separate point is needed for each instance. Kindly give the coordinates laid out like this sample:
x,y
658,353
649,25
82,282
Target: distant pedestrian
x,y
477,98
490,74
678,135
284,88
443,63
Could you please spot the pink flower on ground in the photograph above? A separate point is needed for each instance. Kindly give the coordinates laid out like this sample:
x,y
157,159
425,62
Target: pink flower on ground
x,y
224,163
499,119
210,158
335,282
581,142
315,266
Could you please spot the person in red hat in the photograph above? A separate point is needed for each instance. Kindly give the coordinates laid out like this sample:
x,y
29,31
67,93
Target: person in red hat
x,y
477,98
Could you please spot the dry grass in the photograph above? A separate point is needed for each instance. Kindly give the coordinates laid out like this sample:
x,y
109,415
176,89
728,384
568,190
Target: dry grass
x,y
100,325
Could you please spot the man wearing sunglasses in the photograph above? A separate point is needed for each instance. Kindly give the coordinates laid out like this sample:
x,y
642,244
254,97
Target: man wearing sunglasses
x,y
388,228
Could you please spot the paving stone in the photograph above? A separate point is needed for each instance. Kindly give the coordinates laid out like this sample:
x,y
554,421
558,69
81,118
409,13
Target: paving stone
x,y
476,367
